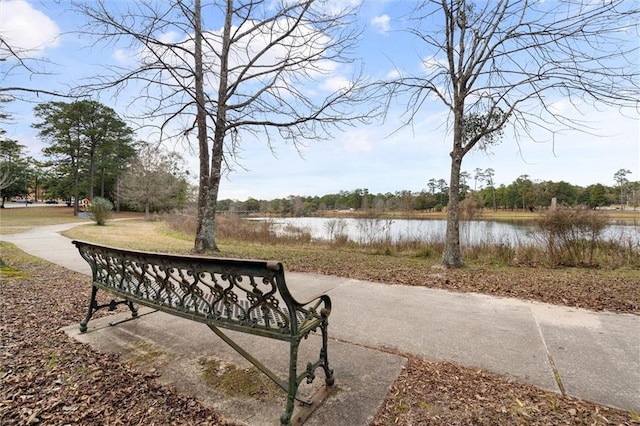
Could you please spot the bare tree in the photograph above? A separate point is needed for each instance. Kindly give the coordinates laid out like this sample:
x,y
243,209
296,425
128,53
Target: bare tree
x,y
152,181
257,74
493,63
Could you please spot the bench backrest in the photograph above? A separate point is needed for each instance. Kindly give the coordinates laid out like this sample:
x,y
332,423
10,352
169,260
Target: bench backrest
x,y
236,293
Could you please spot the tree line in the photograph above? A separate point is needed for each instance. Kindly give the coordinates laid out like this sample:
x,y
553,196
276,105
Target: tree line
x,y
91,150
522,194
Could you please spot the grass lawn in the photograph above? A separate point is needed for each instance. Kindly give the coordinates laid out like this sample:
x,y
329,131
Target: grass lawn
x,y
20,219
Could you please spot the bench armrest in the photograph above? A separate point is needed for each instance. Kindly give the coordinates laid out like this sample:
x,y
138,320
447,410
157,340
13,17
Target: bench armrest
x,y
315,301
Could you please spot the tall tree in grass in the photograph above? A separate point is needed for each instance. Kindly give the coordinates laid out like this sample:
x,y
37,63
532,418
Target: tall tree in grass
x,y
621,179
77,134
232,68
493,63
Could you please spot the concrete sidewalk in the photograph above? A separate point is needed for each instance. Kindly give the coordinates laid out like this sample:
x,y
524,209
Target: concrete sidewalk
x,y
593,356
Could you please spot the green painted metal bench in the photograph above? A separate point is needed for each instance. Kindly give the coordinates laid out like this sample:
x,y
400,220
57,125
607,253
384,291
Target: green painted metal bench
x,y
249,296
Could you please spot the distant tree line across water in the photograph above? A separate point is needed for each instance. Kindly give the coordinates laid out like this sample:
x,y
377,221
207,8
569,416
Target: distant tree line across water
x,y
522,194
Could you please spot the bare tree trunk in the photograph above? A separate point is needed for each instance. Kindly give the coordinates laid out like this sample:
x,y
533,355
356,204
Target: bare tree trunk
x,y
117,194
451,256
102,182
204,240
76,209
92,167
219,130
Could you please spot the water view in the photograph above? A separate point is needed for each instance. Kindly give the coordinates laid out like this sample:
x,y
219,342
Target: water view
x,y
371,230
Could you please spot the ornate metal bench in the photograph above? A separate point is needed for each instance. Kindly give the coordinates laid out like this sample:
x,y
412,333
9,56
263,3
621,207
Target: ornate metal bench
x,y
248,296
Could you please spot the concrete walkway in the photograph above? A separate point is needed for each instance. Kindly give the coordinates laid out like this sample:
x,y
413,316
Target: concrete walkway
x,y
591,355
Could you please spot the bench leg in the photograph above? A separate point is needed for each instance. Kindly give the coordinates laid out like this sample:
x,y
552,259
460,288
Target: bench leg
x,y
93,306
308,406
324,355
323,359
133,309
285,418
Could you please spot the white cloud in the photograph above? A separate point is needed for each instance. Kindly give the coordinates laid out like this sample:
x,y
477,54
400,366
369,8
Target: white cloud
x,y
381,23
336,8
169,37
558,107
26,30
335,84
357,141
432,64
122,56
394,73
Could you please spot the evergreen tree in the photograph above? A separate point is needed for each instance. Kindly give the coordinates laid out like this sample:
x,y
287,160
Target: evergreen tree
x,y
82,135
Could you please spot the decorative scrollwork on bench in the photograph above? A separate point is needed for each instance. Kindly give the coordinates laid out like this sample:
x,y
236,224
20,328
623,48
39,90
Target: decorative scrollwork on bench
x,y
249,296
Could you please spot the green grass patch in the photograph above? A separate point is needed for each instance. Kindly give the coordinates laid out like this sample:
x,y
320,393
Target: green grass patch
x,y
53,361
7,271
15,220
37,216
239,382
134,234
144,353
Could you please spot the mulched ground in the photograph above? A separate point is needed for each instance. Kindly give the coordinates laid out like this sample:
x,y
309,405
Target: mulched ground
x,y
47,378
428,393
593,289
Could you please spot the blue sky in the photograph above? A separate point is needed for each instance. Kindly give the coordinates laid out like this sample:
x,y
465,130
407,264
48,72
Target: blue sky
x,y
382,157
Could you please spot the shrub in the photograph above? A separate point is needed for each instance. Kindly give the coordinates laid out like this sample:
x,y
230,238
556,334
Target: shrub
x,y
101,210
235,227
337,232
182,223
528,255
571,236
470,208
374,231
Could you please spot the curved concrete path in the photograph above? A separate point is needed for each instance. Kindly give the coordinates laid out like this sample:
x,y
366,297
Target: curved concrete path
x,y
590,355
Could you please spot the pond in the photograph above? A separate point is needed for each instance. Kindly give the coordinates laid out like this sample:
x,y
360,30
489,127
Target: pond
x,y
371,230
